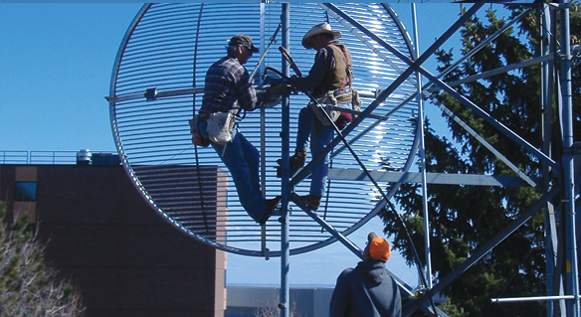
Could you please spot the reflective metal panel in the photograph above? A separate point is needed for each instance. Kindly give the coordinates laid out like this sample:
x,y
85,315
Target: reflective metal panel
x,y
169,47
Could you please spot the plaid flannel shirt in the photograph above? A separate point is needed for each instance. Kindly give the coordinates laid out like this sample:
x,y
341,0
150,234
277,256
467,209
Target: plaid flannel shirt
x,y
228,87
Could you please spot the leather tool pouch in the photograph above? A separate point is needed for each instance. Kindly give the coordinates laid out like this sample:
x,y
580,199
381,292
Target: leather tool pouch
x,y
197,137
219,126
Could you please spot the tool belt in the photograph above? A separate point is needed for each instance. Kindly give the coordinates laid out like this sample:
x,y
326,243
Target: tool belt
x,y
197,137
219,127
328,104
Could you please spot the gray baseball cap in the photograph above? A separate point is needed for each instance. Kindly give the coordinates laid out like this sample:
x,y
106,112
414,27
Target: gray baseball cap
x,y
244,40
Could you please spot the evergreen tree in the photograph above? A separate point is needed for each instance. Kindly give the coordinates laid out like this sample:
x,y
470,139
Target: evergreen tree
x,y
462,218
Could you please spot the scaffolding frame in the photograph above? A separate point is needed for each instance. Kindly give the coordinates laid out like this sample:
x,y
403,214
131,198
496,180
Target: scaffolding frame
x,y
563,286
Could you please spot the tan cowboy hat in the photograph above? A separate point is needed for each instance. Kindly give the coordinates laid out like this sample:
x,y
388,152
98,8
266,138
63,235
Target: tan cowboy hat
x,y
319,29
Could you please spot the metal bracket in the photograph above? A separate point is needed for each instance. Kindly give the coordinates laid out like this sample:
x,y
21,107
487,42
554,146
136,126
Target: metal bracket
x,y
560,6
150,94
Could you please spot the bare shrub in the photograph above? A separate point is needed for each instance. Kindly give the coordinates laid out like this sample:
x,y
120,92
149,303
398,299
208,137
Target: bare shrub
x,y
27,286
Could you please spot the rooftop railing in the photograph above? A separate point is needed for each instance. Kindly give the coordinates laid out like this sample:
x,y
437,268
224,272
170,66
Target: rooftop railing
x,y
52,157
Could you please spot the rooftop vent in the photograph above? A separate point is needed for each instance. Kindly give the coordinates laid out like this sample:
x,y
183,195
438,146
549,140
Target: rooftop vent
x,y
84,157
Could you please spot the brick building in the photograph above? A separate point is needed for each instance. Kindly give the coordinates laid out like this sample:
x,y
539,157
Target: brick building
x,y
123,257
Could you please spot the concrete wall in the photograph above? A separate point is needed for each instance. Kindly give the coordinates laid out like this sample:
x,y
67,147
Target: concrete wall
x,y
125,259
305,301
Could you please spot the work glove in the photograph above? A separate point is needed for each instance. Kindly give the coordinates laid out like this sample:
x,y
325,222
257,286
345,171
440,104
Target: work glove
x,y
278,89
269,97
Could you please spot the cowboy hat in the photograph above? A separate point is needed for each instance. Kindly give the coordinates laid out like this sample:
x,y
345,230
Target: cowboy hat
x,y
319,29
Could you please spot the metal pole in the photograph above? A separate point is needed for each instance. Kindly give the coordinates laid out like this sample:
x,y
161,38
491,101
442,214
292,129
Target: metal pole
x,y
529,299
553,272
284,234
258,69
546,130
572,276
420,129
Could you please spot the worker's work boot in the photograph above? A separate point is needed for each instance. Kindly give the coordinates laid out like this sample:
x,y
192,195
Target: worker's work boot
x,y
269,205
297,160
311,201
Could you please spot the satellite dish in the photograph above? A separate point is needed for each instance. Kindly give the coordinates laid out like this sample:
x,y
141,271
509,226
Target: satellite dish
x,y
157,86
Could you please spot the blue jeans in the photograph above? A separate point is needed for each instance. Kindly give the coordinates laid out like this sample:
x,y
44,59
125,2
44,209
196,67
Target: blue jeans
x,y
320,136
242,160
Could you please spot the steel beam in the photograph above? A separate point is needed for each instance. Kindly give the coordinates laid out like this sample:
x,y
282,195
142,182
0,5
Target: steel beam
x,y
482,251
432,178
284,304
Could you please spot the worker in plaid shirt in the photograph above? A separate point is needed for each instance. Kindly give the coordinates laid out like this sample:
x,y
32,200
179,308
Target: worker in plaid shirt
x,y
228,88
228,84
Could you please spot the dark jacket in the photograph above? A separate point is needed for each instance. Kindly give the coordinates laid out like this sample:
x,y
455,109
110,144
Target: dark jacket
x,y
328,71
366,291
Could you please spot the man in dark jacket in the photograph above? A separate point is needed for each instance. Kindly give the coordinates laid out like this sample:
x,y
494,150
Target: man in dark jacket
x,y
329,79
367,290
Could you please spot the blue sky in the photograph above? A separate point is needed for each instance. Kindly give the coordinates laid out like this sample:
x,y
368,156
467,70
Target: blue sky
x,y
55,70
